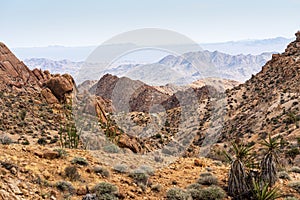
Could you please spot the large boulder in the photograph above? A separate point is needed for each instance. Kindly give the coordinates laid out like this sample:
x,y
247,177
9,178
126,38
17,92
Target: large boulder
x,y
60,85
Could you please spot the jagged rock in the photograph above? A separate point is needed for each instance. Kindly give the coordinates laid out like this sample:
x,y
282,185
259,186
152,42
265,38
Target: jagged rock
x,y
124,141
48,95
42,76
13,72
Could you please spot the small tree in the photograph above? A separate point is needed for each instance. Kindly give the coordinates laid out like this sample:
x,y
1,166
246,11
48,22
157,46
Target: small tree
x,y
270,160
237,185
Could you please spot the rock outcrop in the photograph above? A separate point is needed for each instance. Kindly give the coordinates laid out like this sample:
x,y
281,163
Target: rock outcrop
x,y
14,73
60,85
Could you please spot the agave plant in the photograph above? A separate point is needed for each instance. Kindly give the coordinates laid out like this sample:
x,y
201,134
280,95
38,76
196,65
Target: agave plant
x,y
264,192
237,184
270,161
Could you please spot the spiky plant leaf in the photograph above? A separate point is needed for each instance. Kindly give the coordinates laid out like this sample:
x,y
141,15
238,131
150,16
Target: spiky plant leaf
x,y
264,192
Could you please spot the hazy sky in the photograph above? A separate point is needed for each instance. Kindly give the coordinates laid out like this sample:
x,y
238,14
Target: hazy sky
x,y
91,22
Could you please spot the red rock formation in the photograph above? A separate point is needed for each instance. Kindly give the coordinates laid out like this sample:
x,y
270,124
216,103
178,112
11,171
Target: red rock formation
x,y
61,85
14,73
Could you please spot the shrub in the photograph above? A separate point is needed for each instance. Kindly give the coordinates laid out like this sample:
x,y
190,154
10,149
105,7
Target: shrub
x,y
112,148
293,152
209,193
295,169
295,185
102,171
177,194
105,190
42,141
262,191
284,175
122,168
195,186
208,180
139,176
5,140
204,174
80,161
61,153
72,173
65,186
149,170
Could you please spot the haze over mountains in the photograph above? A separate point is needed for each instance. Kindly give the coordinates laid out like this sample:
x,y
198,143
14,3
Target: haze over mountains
x,y
178,70
254,47
171,69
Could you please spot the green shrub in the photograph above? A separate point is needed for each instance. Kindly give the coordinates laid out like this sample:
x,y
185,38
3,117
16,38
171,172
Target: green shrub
x,y
284,175
65,186
5,140
204,174
102,171
61,153
149,170
295,185
208,180
80,161
264,191
293,152
105,190
177,194
122,168
68,136
208,193
139,176
72,173
42,141
196,186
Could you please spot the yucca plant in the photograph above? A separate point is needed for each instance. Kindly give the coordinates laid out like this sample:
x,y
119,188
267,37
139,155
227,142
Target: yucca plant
x,y
264,192
237,185
270,161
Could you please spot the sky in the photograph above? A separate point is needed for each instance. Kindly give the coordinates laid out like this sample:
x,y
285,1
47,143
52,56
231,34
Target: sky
x,y
36,23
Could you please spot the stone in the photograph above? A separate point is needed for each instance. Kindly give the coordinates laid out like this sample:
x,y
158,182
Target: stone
x,y
48,95
49,154
125,141
60,85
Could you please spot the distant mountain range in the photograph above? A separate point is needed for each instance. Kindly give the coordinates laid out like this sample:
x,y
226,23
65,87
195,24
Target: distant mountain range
x,y
171,69
253,47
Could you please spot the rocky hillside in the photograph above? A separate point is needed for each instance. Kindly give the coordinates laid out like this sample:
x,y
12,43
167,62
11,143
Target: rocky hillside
x,y
32,102
268,103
